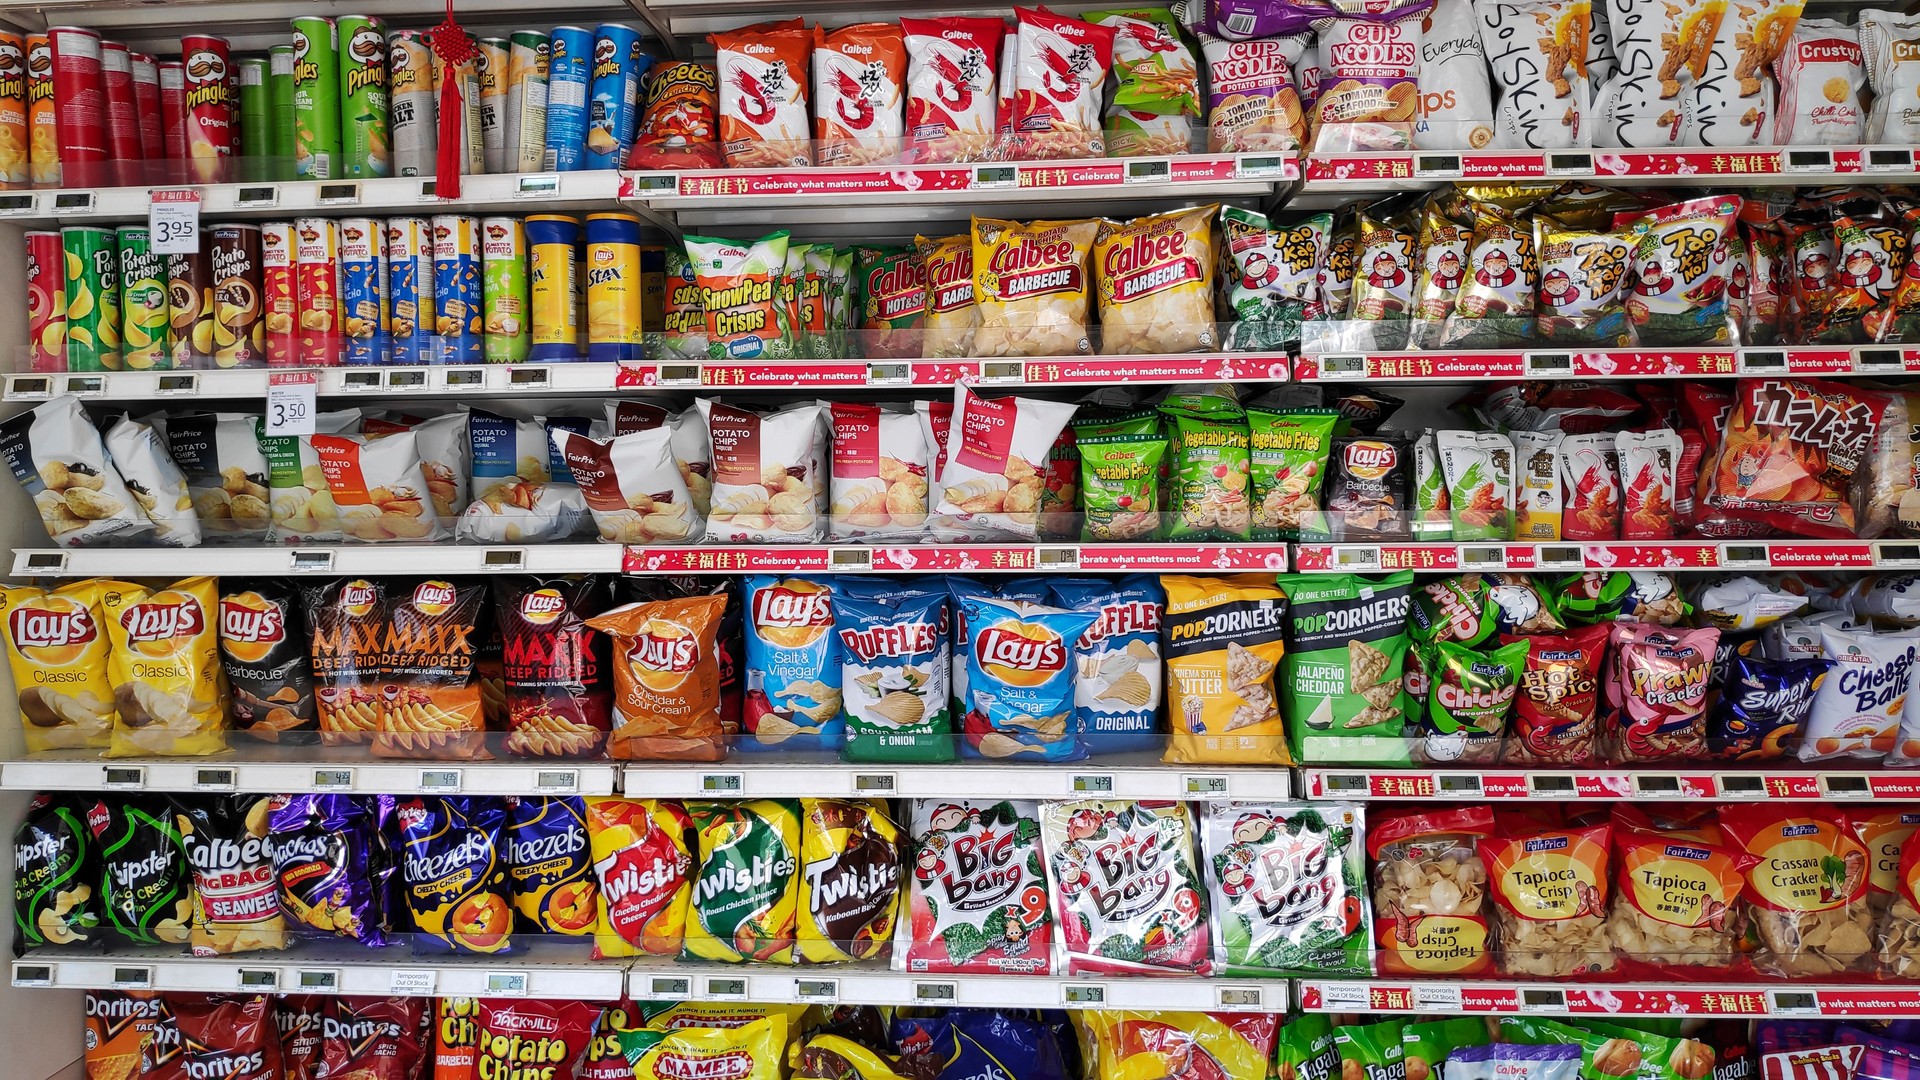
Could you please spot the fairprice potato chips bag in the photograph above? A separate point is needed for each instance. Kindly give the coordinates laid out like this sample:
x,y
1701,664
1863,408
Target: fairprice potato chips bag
x,y
1224,634
643,859
1030,283
996,460
979,895
1791,451
226,841
1155,283
850,855
746,894
666,679
1429,891
453,864
59,458
1808,892
379,486
1549,888
882,468
1126,886
769,474
1288,887
1346,647
169,697
57,648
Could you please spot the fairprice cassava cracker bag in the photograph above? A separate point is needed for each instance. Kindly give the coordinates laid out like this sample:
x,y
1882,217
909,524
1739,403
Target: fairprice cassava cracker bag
x,y
1030,283
1126,886
1549,890
979,900
666,679
168,691
996,460
1430,892
1224,634
1808,891
1156,283
57,647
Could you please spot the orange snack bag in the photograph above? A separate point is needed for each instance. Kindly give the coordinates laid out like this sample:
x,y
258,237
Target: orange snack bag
x,y
763,94
666,679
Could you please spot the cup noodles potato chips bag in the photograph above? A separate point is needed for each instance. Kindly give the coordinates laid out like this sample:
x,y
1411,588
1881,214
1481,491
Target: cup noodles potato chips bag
x,y
57,648
264,655
793,666
558,672
1676,902
951,76
881,468
229,1036
1369,90
1554,712
1540,62
118,1023
1288,885
453,864
762,75
850,854
996,457
1733,100
643,861
168,693
1661,679
1808,891
1790,455
1030,283
859,75
666,679
1126,886
1549,888
1020,679
1253,101
226,841
744,905
978,902
1224,632
1891,44
767,474
1820,73
1430,891
1059,66
1155,283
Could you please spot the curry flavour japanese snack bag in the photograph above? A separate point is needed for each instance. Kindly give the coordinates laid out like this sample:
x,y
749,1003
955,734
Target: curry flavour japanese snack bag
x,y
1224,633
978,900
1287,888
1430,891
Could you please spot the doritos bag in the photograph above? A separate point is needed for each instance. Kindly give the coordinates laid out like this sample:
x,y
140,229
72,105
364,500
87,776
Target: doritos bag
x,y
642,856
454,873
373,1038
118,1023
746,894
850,854
550,865
229,1037
666,679
301,1019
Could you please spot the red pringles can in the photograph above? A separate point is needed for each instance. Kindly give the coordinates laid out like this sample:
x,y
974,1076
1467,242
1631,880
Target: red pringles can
x,y
15,167
280,309
209,107
46,302
316,289
173,120
123,122
43,120
146,107
80,96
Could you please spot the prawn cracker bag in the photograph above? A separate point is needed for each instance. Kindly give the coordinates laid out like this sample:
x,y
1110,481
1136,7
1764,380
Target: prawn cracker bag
x,y
643,859
1346,648
745,901
1429,892
1287,888
894,673
1808,892
978,899
1126,886
850,853
1224,633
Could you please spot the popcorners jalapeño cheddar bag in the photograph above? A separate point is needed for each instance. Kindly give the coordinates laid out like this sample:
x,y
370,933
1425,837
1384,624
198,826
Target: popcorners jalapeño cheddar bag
x,y
1222,639
1346,651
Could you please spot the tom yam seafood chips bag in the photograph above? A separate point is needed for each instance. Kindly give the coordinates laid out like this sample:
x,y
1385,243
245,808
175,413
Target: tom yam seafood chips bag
x,y
454,873
978,901
1430,892
1807,893
1127,893
745,900
666,679
762,72
1791,453
643,861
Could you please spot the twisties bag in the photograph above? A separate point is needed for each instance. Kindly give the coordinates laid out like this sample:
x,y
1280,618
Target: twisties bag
x,y
850,855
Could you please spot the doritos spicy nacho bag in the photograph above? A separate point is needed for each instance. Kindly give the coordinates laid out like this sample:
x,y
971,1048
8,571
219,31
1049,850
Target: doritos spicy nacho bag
x,y
746,894
979,891
454,873
1126,886
55,869
146,886
550,865
1346,646
58,647
558,671
666,679
263,650
850,855
227,1036
226,840
331,863
118,1023
1224,633
375,1038
643,860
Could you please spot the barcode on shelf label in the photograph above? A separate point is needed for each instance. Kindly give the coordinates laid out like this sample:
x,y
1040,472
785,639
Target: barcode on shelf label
x,y
1346,783
538,186
1558,557
1426,166
1893,555
256,198
1551,786
1542,1001
464,377
1566,164
1744,556
1003,371
503,559
507,983
1887,159
1800,161
678,375
889,374
1879,361
86,385
213,780
309,562
1259,168
846,558
988,177
412,982
1057,558
339,194
72,202
1149,171
13,205
29,387
1548,364
1482,558
936,993
669,987
178,385
1761,361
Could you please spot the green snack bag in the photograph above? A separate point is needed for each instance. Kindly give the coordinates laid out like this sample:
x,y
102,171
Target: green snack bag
x,y
1375,1049
893,302
1120,487
1136,422
793,288
1470,695
1208,464
1273,279
1425,1047
1343,670
1288,452
1289,888
1458,608
743,288
1306,1050
1477,468
841,302
1614,1052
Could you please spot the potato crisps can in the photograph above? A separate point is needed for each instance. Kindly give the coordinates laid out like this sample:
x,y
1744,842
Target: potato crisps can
x,y
80,112
614,326
280,310
503,287
415,111
527,101
143,302
457,291
363,290
210,109
316,98
15,169
410,289
554,286
239,333
43,126
492,64
316,290
569,75
364,146
92,256
146,107
46,302
123,123
613,111
280,102
190,306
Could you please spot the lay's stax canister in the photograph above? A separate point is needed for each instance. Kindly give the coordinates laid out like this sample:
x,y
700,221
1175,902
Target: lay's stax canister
x,y
554,286
410,289
614,328
504,293
569,75
527,101
613,110
456,288
363,290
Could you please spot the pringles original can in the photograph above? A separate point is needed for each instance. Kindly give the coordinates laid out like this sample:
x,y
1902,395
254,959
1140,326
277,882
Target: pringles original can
x,y
569,76
504,293
209,107
614,329
280,99
239,332
46,302
92,259
146,108
554,287
416,114
144,326
363,290
456,288
278,294
16,169
43,127
256,120
190,305
492,63
316,290
618,68
410,314
80,112
123,118
364,143
173,121
527,101
316,99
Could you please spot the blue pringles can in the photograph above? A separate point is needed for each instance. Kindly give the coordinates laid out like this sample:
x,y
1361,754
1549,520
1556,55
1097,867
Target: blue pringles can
x,y
614,110
456,289
363,290
569,79
410,312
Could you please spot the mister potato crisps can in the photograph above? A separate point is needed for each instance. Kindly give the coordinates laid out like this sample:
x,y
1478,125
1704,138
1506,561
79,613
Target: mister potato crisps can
x,y
239,332
92,258
316,290
504,293
410,289
456,288
46,302
280,313
143,301
363,290
614,325
554,286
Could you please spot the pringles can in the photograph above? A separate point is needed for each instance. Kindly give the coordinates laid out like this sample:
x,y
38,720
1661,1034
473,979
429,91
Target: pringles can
x,y
554,287
456,288
190,305
504,294
173,121
92,258
527,101
43,126
280,99
80,111
46,303
364,143
316,290
416,113
256,120
209,107
614,327
472,156
569,76
363,290
613,111
144,322
123,122
492,64
146,108
316,98
16,170
410,313
278,294
239,332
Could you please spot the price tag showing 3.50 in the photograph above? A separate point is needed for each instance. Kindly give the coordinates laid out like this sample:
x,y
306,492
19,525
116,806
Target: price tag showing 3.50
x,y
173,221
290,402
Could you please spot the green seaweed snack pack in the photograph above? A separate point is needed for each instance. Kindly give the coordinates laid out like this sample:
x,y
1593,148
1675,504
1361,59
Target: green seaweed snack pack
x,y
1343,669
1288,888
1273,277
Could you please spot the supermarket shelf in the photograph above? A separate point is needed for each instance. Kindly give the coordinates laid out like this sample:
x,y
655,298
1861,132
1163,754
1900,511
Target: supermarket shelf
x,y
312,769
1565,998
1447,367
542,969
788,776
363,559
971,558
461,381
1700,781
865,984
1359,173
1611,555
532,193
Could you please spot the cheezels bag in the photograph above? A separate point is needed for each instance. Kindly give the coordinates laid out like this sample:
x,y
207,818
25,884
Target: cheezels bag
x,y
1224,634
666,679
1126,887
978,899
1809,913
1430,891
746,894
453,869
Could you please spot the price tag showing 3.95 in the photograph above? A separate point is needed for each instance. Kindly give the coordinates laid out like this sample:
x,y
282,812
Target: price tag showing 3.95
x,y
173,221
290,404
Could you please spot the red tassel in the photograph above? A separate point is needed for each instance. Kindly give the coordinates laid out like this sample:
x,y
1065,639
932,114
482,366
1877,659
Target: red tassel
x,y
453,125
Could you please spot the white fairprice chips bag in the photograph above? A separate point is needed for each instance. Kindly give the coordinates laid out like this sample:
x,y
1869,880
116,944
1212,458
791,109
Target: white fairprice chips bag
x,y
996,460
880,473
378,487
768,485
632,486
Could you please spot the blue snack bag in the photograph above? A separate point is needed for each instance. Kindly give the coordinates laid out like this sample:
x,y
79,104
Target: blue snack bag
x,y
792,665
894,665
1020,676
1117,684
1763,706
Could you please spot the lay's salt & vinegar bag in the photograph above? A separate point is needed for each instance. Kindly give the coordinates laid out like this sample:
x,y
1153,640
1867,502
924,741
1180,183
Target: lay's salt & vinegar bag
x,y
1020,679
793,666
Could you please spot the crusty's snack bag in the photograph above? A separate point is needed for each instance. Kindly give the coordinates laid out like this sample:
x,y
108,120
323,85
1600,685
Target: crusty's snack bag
x,y
58,650
666,679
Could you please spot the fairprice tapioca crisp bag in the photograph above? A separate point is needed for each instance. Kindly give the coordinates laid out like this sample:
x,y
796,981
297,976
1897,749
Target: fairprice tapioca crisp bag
x,y
1430,892
1222,639
58,650
1676,901
1030,283
1549,889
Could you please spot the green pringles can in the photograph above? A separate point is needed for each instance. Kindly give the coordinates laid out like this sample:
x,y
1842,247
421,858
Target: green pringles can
x,y
256,120
316,99
365,148
280,100
506,299
144,317
93,298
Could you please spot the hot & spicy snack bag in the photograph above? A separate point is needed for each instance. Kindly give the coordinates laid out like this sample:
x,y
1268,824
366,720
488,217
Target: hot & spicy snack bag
x,y
1126,886
454,873
1554,716
666,679
746,894
430,695
1808,892
1287,888
979,893
1430,891
1792,450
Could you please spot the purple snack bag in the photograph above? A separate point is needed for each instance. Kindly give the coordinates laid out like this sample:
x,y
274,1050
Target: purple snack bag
x,y
1240,20
331,864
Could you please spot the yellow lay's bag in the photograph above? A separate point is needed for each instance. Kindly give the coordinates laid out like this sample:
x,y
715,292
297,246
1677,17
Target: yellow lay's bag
x,y
1223,639
168,689
58,648
699,1052
850,880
